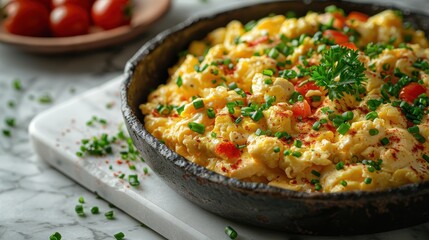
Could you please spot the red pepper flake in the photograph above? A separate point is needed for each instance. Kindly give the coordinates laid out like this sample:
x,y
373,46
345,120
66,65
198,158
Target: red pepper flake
x,y
119,161
228,149
418,147
224,169
227,70
235,165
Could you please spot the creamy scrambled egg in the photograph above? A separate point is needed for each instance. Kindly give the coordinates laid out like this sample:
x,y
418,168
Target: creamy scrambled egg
x,y
244,102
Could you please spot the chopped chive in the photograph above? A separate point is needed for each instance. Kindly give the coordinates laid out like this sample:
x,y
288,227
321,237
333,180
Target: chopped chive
x,y
81,200
213,134
268,81
286,152
426,157
180,109
373,131
238,120
317,187
343,128
371,168
133,180
79,210
273,53
276,149
344,183
298,143
259,132
414,129
179,81
121,176
371,116
109,215
419,138
323,121
268,72
55,236
197,127
314,181
315,173
368,180
211,113
132,167
316,126
45,99
198,104
95,210
10,122
339,165
145,170
17,84
348,115
257,115
232,234
296,154
384,141
119,236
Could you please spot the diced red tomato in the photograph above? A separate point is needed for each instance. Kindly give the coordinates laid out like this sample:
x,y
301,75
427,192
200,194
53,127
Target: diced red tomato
x,y
301,109
257,41
357,16
337,36
411,92
228,149
339,20
306,87
349,45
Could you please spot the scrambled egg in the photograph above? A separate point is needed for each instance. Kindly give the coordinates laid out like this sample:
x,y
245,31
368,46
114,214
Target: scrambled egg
x,y
246,102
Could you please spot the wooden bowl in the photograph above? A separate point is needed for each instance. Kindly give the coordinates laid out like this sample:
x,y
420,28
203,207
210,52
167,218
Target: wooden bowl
x,y
355,212
145,13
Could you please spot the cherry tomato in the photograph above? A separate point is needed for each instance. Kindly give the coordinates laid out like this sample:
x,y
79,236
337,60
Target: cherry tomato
x,y
109,14
411,92
228,149
85,4
69,20
337,36
349,45
301,109
306,87
46,3
357,16
26,18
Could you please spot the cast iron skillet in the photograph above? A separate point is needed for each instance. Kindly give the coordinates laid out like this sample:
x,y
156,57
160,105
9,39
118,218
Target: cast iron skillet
x,y
255,203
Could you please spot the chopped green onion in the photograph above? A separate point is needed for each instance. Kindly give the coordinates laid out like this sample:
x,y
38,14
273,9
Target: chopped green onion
x,y
238,120
296,154
179,81
371,116
298,143
132,167
232,234
315,173
268,81
109,215
316,126
348,115
344,183
45,99
268,72
286,152
95,210
368,180
373,131
316,98
414,129
79,210
276,149
180,109
426,157
197,127
213,134
119,236
81,200
133,180
198,104
17,84
273,53
211,113
384,141
55,236
317,187
419,138
10,122
343,128
257,115
339,165
145,170
248,26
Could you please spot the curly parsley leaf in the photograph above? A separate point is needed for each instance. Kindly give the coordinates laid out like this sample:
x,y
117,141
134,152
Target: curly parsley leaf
x,y
340,72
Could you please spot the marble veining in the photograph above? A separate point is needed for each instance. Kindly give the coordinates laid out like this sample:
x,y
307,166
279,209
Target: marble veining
x,y
36,200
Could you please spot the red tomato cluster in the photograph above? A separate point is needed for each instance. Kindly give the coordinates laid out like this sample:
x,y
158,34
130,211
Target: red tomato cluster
x,y
64,18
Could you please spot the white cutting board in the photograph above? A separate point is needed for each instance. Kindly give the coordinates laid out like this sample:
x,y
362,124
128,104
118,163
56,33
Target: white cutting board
x,y
56,135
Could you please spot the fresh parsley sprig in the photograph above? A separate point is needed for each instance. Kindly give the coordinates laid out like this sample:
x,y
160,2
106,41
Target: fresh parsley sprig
x,y
340,72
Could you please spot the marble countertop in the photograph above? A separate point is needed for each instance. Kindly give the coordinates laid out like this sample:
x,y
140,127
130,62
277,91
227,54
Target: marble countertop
x,y
35,199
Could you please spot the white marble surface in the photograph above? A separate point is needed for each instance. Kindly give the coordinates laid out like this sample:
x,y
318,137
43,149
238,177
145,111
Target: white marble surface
x,y
36,200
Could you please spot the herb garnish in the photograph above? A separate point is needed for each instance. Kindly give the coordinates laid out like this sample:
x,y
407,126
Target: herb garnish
x,y
340,72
